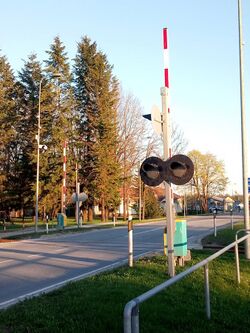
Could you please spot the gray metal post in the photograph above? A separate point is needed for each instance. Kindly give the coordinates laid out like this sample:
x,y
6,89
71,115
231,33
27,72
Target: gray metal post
x,y
184,205
237,262
79,220
243,135
135,319
215,227
127,314
130,243
207,292
166,133
139,178
38,151
77,194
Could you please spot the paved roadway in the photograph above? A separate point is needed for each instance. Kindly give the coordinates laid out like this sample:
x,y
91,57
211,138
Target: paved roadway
x,y
30,267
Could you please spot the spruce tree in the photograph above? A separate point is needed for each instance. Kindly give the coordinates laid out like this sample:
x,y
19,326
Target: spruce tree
x,y
29,78
59,125
8,118
108,178
96,99
87,114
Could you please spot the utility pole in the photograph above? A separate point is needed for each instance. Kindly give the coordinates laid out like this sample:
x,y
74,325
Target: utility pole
x,y
139,185
38,151
63,202
166,132
243,135
77,197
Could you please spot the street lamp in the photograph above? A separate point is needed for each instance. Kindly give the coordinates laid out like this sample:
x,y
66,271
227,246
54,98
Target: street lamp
x,y
39,146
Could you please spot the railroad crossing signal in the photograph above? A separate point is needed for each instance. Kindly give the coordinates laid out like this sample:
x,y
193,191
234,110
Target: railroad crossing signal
x,y
178,169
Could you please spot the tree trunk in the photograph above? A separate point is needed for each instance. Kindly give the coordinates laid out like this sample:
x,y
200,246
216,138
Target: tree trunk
x,y
90,213
85,215
143,204
107,214
124,202
103,210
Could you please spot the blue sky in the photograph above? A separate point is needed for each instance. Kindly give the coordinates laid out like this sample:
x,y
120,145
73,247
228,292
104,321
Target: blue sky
x,y
203,47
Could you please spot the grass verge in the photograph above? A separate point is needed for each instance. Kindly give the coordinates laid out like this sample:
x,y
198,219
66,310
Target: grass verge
x,y
96,304
224,236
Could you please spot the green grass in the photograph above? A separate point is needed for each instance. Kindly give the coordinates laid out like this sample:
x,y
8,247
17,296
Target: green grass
x,y
224,236
96,304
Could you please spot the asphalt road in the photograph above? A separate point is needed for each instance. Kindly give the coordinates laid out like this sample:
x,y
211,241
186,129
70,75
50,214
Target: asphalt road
x,y
31,267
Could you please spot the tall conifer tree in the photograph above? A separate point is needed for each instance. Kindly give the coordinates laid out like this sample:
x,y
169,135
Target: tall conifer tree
x,y
7,130
59,127
96,99
29,79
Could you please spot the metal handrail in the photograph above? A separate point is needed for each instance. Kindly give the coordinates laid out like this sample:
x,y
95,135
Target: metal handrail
x,y
131,310
237,253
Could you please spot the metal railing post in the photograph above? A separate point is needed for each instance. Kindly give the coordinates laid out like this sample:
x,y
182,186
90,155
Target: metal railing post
x,y
131,325
207,292
135,319
127,316
237,262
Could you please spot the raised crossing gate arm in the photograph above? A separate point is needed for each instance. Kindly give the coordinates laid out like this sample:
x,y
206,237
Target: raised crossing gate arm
x,y
131,309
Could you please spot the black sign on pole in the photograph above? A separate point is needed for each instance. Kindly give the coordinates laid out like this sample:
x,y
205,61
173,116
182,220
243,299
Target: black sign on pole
x,y
147,116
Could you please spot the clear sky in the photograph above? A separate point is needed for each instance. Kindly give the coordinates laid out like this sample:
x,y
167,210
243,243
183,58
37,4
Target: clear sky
x,y
203,47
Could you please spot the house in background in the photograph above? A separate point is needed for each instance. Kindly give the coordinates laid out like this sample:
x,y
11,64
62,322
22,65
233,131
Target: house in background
x,y
160,195
222,204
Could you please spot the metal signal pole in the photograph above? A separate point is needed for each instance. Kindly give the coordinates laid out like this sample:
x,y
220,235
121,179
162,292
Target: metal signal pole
x,y
166,132
243,135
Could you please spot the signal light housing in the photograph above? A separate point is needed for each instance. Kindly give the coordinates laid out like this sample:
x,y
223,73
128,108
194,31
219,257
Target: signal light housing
x,y
152,171
178,170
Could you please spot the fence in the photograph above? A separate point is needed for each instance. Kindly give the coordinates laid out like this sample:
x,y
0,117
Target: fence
x,y
131,310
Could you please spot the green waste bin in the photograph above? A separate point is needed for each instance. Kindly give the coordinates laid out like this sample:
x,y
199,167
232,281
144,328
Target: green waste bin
x,y
61,220
180,238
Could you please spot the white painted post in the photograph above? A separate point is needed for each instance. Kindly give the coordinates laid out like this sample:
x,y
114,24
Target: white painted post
x,y
207,292
215,227
166,134
130,242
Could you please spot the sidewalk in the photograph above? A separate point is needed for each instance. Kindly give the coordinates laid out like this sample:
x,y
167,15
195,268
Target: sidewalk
x,y
42,230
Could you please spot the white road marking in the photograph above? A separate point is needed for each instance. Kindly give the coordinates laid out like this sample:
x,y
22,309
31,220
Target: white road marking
x,y
4,261
59,250
146,231
35,255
